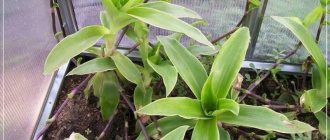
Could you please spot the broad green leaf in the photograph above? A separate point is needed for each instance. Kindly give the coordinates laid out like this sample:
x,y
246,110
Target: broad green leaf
x,y
198,50
120,21
188,66
172,9
117,18
224,69
142,96
165,125
265,119
154,55
166,21
313,100
209,100
104,17
95,50
324,124
130,33
224,135
76,136
93,66
313,16
131,3
316,78
324,2
168,73
302,33
206,130
98,84
226,105
182,106
176,134
255,2
73,45
127,68
110,8
110,94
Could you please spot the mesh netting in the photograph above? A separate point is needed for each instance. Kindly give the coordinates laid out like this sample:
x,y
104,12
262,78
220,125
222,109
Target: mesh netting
x,y
273,37
222,15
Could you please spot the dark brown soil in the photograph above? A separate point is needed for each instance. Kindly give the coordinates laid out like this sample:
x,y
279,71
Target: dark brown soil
x,y
83,116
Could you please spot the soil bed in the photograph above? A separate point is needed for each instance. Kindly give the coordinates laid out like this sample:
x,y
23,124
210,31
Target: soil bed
x,y
83,116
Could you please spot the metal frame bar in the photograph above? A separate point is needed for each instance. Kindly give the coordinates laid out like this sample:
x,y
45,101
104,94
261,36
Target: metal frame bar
x,y
254,22
67,14
48,105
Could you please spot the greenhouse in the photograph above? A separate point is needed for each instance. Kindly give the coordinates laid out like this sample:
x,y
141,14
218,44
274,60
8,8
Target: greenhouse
x,y
165,70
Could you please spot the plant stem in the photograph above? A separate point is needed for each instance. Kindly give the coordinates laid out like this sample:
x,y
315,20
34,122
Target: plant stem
x,y
132,48
262,99
224,35
256,83
308,60
308,63
121,36
246,12
63,105
239,131
131,106
107,126
318,34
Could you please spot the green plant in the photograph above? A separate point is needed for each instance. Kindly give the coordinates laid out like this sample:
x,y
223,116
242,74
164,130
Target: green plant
x,y
213,106
132,16
110,69
313,99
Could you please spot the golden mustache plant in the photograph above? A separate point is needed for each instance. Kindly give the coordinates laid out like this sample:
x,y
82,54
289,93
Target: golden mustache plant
x,y
315,99
212,106
118,15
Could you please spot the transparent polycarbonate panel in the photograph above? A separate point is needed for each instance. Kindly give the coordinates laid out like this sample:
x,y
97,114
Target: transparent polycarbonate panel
x,y
274,37
1,74
222,15
28,38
